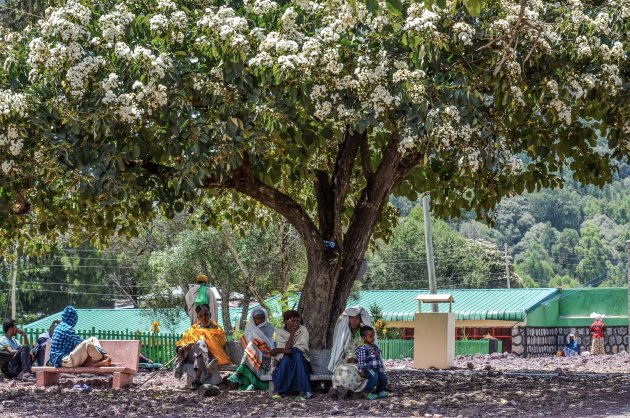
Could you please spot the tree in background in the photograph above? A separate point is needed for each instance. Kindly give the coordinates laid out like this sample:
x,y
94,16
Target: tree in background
x,y
513,219
460,262
535,267
114,111
249,264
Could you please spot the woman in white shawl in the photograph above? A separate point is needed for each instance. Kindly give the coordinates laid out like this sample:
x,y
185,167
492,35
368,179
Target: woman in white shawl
x,y
257,343
342,362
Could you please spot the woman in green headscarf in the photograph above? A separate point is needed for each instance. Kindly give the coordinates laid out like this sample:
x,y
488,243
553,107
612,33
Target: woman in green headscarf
x,y
201,294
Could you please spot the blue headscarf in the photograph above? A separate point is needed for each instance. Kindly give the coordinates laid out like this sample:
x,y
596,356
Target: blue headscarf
x,y
65,338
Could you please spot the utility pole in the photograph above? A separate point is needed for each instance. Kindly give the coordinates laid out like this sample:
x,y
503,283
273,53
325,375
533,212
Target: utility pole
x,y
14,271
628,272
507,266
428,241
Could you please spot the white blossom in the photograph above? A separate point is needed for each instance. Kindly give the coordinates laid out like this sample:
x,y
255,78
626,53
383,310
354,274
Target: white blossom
x,y
78,74
113,24
288,18
158,23
262,7
465,32
13,104
7,166
517,93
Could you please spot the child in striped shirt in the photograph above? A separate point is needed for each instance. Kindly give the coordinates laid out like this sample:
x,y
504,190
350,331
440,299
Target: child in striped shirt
x,y
371,365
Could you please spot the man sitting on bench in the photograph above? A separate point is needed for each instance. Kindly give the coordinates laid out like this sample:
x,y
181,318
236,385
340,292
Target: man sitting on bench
x,y
68,349
201,350
15,358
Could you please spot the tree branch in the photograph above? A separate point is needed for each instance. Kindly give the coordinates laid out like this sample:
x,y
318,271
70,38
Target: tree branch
x,y
374,196
366,161
409,161
325,204
344,166
245,182
332,194
249,280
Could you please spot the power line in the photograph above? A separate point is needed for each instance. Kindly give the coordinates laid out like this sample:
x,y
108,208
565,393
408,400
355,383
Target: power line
x,y
73,267
77,293
73,293
82,284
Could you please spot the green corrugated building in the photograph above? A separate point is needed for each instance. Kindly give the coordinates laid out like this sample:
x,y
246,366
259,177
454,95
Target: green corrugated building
x,y
527,321
172,320
537,321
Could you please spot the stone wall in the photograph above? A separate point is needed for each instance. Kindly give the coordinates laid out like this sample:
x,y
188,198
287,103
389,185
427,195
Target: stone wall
x,y
542,342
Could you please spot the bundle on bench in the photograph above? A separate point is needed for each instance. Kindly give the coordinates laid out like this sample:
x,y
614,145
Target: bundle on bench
x,y
124,353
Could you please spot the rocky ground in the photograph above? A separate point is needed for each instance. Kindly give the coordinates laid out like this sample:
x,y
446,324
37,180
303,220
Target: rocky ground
x,y
478,386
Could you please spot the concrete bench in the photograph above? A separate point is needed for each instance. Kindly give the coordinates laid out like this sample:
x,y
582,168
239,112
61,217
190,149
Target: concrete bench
x,y
122,352
319,364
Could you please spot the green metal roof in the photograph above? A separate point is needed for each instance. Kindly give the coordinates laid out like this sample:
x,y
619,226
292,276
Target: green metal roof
x,y
172,320
470,304
395,305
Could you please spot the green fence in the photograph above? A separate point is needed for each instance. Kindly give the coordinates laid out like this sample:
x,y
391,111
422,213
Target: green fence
x,y
158,347
161,347
396,349
472,347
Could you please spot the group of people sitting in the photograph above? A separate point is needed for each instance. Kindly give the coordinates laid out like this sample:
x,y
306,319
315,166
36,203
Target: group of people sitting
x,y
355,361
67,348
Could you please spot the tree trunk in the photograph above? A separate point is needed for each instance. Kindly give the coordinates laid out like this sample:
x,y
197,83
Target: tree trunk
x,y
225,310
332,272
318,295
283,245
247,297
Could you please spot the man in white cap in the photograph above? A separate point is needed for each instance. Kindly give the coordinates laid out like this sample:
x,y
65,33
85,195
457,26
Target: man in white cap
x,y
201,294
598,330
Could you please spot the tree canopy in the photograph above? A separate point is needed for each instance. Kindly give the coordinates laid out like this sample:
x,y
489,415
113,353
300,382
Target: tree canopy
x,y
112,110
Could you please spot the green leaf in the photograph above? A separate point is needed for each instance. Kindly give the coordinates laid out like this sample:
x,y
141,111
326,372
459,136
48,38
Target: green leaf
x,y
473,6
371,5
353,3
394,6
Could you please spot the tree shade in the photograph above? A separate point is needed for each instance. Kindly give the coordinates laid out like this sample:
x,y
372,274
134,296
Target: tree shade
x,y
113,110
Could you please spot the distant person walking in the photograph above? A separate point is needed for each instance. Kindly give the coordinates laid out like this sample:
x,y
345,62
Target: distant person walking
x,y
598,330
201,294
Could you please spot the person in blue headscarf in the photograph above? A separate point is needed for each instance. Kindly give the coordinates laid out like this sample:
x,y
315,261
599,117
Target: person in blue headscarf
x,y
572,348
68,349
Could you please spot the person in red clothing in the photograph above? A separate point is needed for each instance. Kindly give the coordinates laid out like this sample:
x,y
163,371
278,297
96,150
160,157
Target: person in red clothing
x,y
598,330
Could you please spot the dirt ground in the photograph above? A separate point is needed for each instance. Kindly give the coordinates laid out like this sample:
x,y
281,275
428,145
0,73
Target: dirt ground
x,y
478,386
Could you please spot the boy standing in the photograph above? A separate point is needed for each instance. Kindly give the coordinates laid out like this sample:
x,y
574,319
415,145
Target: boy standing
x,y
371,365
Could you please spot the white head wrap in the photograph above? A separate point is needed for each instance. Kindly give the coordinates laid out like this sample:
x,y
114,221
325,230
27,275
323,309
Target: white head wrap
x,y
342,336
263,332
597,316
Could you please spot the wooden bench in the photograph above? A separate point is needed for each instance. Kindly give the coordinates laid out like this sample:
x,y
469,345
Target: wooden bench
x,y
123,352
319,363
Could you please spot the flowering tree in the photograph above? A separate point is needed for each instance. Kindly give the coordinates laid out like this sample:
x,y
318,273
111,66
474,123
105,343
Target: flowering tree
x,y
112,110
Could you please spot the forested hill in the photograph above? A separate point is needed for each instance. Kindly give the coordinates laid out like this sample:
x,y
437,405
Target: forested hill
x,y
558,238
